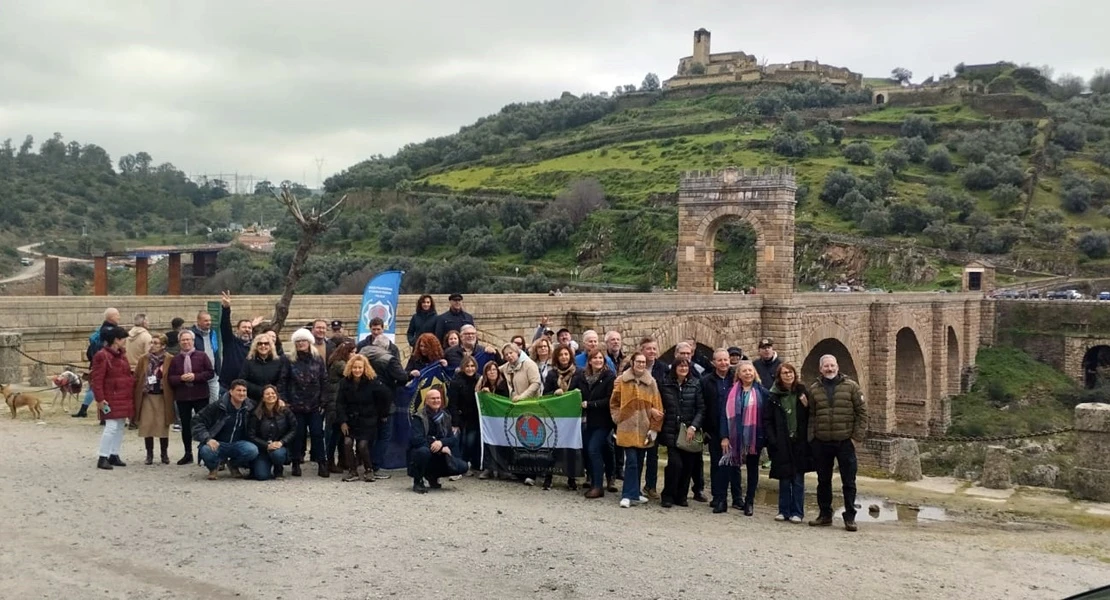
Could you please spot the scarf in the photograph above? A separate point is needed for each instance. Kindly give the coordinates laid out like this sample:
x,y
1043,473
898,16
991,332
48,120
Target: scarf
x,y
188,366
436,419
565,375
154,369
742,411
591,378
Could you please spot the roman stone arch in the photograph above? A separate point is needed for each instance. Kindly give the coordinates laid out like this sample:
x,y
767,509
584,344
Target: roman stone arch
x,y
763,199
810,368
880,99
703,331
1096,365
953,364
911,404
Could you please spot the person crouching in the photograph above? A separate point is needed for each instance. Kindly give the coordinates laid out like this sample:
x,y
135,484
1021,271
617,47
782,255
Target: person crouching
x,y
433,444
271,428
221,429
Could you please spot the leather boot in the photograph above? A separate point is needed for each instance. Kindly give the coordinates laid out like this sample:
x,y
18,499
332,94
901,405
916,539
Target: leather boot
x,y
149,457
102,463
115,461
296,470
323,470
164,445
367,463
81,412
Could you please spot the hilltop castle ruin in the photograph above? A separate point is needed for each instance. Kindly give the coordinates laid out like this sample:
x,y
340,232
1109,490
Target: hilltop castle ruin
x,y
704,68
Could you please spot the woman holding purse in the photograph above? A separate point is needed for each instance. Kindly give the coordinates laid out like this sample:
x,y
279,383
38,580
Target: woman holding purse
x,y
683,411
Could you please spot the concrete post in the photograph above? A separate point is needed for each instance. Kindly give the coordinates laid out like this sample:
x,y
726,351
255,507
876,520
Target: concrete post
x,y
11,370
100,276
1091,479
174,288
142,271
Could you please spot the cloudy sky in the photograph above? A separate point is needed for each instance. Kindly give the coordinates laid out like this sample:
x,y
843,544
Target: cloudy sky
x,y
265,88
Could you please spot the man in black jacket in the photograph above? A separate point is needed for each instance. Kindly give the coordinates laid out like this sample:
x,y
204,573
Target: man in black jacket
x,y
768,363
236,342
715,386
221,429
454,318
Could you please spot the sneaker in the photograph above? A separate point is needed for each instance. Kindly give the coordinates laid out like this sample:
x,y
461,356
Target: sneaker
x,y
821,521
643,499
850,525
485,474
795,519
379,474
626,503
454,478
779,517
528,481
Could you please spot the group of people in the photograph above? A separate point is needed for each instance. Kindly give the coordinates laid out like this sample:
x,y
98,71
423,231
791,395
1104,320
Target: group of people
x,y
247,404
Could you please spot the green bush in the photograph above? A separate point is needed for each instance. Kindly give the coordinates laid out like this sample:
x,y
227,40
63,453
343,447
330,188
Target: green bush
x,y
859,153
939,160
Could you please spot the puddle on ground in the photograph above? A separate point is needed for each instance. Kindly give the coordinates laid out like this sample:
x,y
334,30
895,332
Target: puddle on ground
x,y
888,512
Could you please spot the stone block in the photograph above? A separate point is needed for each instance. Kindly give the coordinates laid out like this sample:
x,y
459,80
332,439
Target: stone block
x,y
906,460
1090,416
37,376
996,469
1091,484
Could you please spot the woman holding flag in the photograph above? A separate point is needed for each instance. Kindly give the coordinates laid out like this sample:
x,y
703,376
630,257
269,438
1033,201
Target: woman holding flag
x,y
492,383
595,383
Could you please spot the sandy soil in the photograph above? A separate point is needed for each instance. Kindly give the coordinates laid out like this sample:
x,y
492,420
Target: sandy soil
x,y
71,531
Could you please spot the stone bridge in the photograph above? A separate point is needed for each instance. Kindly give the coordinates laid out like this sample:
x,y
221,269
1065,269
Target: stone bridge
x,y
909,351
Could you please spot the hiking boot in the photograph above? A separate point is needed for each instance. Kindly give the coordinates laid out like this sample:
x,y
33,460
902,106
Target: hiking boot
x,y
610,486
115,461
352,476
296,471
700,497
821,521
102,463
595,493
379,474
850,525
186,460
651,493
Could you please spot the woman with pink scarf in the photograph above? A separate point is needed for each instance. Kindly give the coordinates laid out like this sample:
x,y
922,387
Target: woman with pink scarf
x,y
188,375
741,418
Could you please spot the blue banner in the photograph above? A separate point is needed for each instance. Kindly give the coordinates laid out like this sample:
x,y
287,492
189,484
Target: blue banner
x,y
379,299
407,401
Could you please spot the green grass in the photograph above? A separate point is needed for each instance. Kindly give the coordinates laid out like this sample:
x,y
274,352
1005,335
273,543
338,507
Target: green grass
x,y
944,113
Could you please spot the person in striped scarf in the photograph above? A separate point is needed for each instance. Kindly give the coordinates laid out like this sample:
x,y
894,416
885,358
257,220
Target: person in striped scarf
x,y
741,424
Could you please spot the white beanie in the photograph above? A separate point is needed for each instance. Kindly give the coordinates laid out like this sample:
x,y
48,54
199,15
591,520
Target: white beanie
x,y
303,334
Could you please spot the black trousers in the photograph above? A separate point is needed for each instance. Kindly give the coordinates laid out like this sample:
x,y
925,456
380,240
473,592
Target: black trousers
x,y
678,472
185,410
844,453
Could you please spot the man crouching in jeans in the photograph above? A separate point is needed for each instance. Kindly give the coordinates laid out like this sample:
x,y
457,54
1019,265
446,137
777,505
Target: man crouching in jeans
x,y
221,429
837,422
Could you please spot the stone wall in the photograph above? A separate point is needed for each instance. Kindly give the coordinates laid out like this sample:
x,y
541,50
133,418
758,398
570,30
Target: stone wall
x,y
1007,106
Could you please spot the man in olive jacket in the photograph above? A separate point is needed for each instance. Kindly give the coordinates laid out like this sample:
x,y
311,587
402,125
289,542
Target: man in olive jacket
x,y
837,422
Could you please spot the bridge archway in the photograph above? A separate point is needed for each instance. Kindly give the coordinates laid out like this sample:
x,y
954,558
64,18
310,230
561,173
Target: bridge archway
x,y
1096,366
911,407
811,366
703,354
955,386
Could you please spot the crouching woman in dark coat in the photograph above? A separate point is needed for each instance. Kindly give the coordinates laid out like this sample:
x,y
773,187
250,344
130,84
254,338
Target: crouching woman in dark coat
x,y
785,424
433,445
272,427
360,402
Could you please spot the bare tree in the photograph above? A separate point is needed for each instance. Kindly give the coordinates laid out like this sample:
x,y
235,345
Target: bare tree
x,y
313,223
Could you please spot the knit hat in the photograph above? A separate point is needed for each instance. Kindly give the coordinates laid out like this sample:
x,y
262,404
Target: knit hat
x,y
303,335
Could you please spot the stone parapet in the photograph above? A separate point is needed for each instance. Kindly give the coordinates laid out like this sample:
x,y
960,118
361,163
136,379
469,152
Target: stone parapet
x,y
10,358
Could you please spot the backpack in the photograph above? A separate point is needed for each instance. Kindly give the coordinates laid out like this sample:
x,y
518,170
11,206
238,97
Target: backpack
x,y
94,344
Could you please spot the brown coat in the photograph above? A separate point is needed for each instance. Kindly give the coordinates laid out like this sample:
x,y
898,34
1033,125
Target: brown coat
x,y
630,405
140,388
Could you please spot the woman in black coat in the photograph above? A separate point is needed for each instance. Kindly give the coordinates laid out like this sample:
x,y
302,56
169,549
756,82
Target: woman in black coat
x,y
462,405
360,402
595,383
785,425
423,320
262,367
683,411
271,428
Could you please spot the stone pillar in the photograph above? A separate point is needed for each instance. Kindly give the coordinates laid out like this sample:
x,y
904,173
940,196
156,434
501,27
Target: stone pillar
x,y
996,469
142,270
52,275
174,275
880,390
37,377
939,417
100,276
1091,478
11,370
762,199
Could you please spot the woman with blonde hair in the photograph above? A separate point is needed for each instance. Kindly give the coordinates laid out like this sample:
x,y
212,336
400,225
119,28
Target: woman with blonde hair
x,y
360,402
272,427
262,367
154,398
540,353
521,374
741,430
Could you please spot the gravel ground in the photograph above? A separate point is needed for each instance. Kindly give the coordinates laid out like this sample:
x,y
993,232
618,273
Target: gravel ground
x,y
71,531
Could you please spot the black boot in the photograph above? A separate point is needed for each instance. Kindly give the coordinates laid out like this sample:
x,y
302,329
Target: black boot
x,y
418,485
323,471
81,412
115,461
164,444
102,463
296,471
149,451
186,460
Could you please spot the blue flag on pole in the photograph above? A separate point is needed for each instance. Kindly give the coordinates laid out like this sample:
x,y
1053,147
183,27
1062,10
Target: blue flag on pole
x,y
406,402
379,299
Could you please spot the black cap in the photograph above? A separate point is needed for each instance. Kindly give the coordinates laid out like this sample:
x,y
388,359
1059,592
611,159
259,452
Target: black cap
x,y
734,351
336,325
454,297
766,343
113,334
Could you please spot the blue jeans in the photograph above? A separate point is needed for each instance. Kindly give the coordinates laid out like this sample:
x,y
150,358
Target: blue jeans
x,y
88,397
596,442
385,436
313,422
237,454
792,496
270,463
633,467
651,478
472,446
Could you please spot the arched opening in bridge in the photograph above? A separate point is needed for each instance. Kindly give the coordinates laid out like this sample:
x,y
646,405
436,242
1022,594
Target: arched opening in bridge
x,y
811,367
880,99
911,410
734,247
953,363
1096,367
703,355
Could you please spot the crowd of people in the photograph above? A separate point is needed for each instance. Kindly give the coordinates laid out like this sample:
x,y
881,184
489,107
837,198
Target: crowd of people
x,y
245,403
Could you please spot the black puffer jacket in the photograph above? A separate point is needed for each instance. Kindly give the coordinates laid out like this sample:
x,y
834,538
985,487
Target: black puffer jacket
x,y
259,373
361,404
304,384
683,404
789,456
263,429
596,396
422,321
462,401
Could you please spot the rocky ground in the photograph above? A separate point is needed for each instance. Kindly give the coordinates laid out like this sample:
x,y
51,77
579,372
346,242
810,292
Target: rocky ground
x,y
71,531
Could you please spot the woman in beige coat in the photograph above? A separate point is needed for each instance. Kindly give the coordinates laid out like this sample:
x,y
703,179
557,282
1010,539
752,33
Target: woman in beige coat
x,y
154,398
637,409
521,373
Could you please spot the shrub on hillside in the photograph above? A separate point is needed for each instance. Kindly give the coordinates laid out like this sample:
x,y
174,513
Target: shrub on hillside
x,y
979,177
939,160
854,204
1072,136
1007,168
514,211
789,144
1010,138
545,235
1006,195
1076,199
911,218
859,153
576,203
826,132
513,237
876,222
919,126
894,159
915,148
837,184
791,122
1095,244
998,239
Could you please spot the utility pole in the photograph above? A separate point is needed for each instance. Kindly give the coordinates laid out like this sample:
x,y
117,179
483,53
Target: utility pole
x,y
186,226
319,172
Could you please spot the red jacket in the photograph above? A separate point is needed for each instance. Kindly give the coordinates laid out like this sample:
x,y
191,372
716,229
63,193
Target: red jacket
x,y
113,383
190,390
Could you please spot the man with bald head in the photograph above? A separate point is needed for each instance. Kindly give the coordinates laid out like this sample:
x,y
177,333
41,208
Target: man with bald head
x,y
837,424
111,321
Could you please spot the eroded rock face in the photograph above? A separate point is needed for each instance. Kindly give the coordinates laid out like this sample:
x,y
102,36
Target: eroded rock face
x,y
1039,476
996,469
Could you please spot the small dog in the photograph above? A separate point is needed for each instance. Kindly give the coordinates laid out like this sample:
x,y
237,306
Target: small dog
x,y
69,386
14,400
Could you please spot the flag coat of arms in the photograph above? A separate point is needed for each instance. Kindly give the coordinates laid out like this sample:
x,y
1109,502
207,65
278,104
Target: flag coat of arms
x,y
534,436
407,400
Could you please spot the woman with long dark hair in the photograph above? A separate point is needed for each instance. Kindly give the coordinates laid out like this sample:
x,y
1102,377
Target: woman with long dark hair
x,y
683,411
562,371
785,427
741,422
450,340
337,364
492,382
423,320
595,383
271,427
463,407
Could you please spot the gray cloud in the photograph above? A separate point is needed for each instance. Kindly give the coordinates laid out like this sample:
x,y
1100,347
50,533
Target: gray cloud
x,y
264,87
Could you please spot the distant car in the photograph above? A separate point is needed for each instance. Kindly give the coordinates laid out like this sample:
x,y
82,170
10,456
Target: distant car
x,y
842,288
1104,295
876,291
26,262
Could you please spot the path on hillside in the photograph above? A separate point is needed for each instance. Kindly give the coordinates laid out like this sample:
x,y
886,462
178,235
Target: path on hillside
x,y
38,264
165,532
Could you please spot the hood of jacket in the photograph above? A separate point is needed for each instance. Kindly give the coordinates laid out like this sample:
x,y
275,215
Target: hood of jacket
x,y
136,332
645,379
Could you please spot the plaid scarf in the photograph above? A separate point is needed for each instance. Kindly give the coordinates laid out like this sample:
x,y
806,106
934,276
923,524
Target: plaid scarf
x,y
742,410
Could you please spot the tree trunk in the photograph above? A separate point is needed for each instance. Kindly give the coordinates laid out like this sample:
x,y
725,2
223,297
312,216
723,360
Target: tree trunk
x,y
281,309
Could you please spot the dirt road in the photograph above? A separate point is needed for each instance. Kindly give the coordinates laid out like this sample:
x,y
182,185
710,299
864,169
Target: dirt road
x,y
71,531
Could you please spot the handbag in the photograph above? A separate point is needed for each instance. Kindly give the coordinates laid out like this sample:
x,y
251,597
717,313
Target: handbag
x,y
693,445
